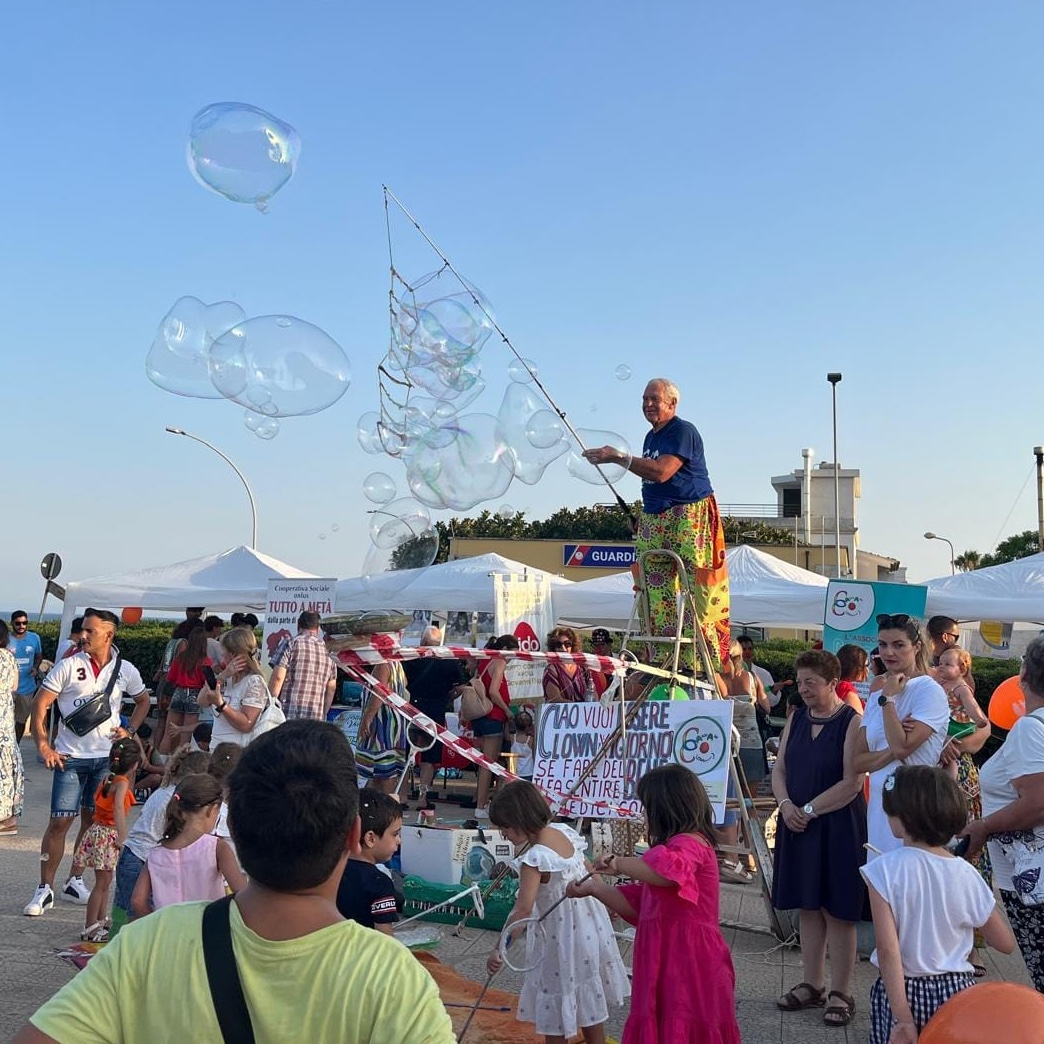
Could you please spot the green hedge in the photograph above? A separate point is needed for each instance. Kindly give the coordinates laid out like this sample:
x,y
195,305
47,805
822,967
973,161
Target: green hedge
x,y
141,644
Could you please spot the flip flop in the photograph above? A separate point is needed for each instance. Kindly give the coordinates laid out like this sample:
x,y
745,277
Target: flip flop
x,y
980,971
790,1001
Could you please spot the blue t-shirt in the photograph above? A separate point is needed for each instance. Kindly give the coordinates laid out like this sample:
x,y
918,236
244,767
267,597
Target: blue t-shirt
x,y
677,438
25,651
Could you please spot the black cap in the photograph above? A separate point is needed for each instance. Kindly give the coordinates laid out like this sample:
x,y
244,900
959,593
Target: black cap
x,y
600,636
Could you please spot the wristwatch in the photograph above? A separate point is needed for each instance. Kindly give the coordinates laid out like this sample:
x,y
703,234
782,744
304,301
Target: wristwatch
x,y
882,700
220,709
810,811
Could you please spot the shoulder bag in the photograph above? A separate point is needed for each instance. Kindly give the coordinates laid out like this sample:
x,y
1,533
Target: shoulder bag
x,y
473,704
226,991
1025,848
97,710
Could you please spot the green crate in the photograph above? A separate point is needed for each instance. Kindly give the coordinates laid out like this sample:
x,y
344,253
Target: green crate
x,y
422,895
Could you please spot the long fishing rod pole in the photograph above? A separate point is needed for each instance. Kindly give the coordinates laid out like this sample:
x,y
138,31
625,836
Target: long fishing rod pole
x,y
624,506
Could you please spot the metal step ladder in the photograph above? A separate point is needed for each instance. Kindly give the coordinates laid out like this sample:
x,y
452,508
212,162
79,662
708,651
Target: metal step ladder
x,y
638,624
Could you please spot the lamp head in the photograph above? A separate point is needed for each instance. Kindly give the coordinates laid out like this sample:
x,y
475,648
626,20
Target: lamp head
x,y
834,378
175,431
929,536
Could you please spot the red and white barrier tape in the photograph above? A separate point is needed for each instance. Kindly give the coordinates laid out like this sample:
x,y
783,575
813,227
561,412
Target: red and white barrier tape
x,y
351,662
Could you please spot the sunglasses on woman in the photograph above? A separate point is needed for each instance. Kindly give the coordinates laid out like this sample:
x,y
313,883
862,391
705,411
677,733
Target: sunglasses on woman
x,y
886,622
560,645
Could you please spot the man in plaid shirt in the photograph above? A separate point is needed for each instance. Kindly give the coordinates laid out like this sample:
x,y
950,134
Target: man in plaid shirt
x,y
305,679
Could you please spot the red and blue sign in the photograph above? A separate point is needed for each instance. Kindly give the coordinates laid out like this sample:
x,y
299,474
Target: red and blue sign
x,y
599,556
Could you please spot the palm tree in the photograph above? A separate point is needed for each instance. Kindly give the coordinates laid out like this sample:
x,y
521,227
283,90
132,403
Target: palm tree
x,y
967,561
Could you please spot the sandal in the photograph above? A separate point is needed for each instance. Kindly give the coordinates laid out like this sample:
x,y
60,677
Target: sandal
x,y
980,971
89,931
839,1014
813,998
734,872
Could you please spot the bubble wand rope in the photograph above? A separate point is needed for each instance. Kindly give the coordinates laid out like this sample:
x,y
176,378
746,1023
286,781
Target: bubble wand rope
x,y
388,194
506,939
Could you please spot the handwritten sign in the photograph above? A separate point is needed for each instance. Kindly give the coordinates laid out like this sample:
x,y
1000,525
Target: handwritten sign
x,y
693,733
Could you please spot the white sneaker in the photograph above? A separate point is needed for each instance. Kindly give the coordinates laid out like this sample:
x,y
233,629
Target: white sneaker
x,y
76,891
42,900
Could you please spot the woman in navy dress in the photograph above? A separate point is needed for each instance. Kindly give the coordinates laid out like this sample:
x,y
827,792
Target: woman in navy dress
x,y
820,837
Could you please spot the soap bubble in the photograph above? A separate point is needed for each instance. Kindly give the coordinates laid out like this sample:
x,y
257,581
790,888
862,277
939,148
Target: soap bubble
x,y
623,372
279,366
367,434
519,405
397,521
545,429
241,152
475,466
586,471
263,427
334,527
322,536
506,511
388,571
177,359
522,370
378,487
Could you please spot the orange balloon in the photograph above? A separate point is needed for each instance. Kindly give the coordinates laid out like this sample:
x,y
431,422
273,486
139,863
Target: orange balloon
x,y
1007,704
987,1014
131,615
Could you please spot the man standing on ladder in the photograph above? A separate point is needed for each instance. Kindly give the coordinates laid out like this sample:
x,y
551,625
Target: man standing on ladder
x,y
679,514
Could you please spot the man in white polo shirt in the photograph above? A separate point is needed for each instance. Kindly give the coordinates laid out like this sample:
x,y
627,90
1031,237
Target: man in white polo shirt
x,y
80,763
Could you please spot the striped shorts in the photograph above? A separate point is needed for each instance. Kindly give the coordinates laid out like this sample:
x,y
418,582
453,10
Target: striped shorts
x,y
925,994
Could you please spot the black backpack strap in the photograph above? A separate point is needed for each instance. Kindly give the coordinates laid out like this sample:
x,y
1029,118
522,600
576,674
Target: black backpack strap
x,y
226,991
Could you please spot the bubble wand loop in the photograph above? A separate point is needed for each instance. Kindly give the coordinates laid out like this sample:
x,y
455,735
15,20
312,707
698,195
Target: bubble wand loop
x,y
388,194
506,939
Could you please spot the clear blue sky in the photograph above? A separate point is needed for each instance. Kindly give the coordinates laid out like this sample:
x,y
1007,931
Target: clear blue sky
x,y
739,196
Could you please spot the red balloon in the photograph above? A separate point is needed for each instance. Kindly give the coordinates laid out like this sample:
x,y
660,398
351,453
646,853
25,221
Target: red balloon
x,y
988,1013
1007,704
131,615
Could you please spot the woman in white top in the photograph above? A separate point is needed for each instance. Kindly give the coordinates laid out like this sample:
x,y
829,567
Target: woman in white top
x,y
1012,786
244,695
745,690
904,724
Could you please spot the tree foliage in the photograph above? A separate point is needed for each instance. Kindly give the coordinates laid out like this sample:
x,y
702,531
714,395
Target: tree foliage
x,y
1014,547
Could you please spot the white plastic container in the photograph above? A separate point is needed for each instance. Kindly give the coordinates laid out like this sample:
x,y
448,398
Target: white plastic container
x,y
451,855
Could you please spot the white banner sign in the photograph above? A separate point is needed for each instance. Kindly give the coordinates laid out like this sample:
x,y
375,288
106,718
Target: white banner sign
x,y
523,608
286,601
692,733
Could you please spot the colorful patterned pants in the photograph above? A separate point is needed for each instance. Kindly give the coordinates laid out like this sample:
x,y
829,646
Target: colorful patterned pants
x,y
694,533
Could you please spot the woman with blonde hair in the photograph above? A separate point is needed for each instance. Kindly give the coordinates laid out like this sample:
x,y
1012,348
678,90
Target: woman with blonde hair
x,y
241,695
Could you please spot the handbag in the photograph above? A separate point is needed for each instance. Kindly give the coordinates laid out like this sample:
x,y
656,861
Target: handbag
x,y
1025,848
271,717
96,711
473,704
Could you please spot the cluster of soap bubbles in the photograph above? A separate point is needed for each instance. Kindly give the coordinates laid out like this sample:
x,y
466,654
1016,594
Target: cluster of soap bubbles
x,y
455,455
241,152
272,365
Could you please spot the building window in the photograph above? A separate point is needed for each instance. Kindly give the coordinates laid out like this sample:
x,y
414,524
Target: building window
x,y
791,501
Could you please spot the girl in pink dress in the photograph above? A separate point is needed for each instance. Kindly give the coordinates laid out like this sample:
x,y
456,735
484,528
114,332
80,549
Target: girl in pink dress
x,y
190,863
683,986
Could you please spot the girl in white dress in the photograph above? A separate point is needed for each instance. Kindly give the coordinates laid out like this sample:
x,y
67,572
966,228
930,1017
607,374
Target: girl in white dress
x,y
575,969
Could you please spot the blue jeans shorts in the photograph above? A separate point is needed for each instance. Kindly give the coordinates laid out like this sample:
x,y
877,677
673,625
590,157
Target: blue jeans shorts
x,y
73,788
183,701
487,726
128,870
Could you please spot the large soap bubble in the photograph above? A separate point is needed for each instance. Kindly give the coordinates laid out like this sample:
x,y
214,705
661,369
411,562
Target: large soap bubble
x,y
378,487
177,360
545,429
519,405
397,521
241,152
388,571
279,366
585,470
476,465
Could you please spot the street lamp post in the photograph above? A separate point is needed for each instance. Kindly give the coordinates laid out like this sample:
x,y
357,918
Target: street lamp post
x,y
1038,452
835,379
242,478
953,554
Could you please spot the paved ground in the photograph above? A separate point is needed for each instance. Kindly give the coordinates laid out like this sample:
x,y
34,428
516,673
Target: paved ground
x,y
30,973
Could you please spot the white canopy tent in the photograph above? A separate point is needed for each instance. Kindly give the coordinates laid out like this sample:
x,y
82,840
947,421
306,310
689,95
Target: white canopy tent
x,y
461,584
222,582
764,590
1012,592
